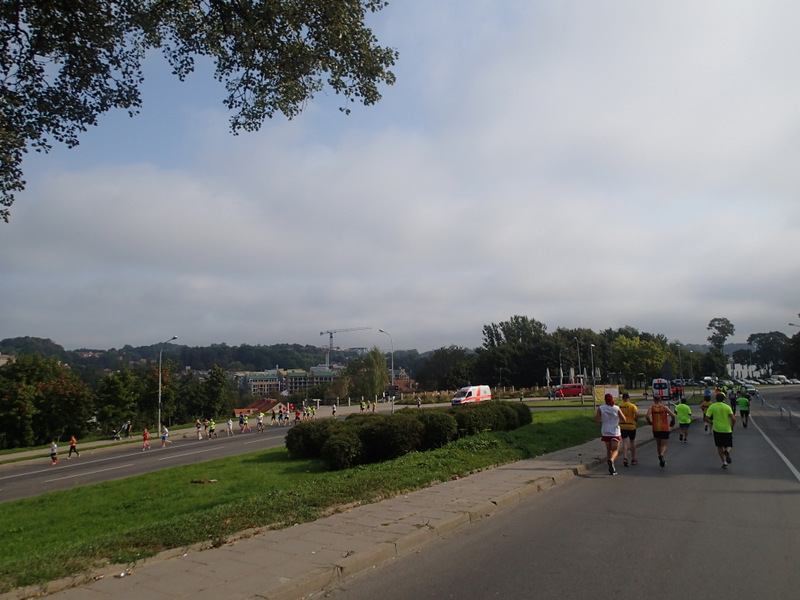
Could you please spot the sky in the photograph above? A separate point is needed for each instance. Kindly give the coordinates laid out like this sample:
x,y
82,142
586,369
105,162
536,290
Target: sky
x,y
588,165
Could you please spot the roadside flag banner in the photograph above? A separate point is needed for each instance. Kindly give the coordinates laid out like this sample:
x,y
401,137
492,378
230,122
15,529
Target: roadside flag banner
x,y
547,376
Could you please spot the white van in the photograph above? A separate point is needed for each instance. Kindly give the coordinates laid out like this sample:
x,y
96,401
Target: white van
x,y
661,389
472,393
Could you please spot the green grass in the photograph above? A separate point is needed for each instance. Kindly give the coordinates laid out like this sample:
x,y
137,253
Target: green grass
x,y
68,532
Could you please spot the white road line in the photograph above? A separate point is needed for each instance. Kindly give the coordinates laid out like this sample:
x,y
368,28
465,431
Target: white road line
x,y
78,463
84,473
268,439
188,453
778,452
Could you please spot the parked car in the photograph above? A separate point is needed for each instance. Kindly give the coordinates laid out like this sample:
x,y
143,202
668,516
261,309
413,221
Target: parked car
x,y
793,380
569,389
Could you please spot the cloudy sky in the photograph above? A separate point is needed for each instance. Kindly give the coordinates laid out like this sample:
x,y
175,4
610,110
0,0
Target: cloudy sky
x,y
585,164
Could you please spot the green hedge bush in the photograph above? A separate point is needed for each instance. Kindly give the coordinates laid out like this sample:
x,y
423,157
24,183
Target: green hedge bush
x,y
439,428
373,437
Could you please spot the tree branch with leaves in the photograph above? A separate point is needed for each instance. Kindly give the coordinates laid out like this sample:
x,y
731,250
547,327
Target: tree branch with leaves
x,y
65,62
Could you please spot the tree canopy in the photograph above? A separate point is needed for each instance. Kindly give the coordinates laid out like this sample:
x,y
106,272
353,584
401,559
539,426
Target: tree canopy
x,y
721,329
65,62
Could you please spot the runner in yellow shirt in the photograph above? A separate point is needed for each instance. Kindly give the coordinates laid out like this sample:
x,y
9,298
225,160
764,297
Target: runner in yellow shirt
x,y
628,429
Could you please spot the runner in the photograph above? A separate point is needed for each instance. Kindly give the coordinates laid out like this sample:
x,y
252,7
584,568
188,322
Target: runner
x,y
744,408
165,441
705,404
74,448
661,418
609,417
721,416
145,440
684,412
54,452
628,429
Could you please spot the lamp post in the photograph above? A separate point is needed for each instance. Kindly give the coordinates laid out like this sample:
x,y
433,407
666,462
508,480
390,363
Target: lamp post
x,y
161,350
560,368
580,377
391,341
691,371
594,396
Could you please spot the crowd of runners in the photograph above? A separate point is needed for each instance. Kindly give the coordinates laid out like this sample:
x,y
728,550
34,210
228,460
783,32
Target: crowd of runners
x,y
618,424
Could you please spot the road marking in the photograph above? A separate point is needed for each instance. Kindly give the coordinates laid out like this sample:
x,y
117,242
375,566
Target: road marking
x,y
268,439
777,451
77,463
83,473
188,453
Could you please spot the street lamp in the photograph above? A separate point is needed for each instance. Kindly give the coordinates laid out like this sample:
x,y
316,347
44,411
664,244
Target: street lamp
x,y
391,341
161,350
560,368
580,378
591,353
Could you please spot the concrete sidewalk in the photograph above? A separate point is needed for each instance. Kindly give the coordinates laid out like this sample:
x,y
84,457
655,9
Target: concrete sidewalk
x,y
296,562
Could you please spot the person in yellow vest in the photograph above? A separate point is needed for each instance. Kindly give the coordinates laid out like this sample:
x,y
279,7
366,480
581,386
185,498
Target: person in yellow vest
x,y
661,418
628,429
705,404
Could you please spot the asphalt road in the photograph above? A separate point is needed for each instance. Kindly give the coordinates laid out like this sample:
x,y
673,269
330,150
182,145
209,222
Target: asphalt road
x,y
37,476
34,477
689,529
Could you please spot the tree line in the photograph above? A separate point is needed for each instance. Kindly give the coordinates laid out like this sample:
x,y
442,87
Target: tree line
x,y
42,399
48,393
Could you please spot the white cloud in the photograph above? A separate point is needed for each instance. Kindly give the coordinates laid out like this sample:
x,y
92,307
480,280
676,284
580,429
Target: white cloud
x,y
565,161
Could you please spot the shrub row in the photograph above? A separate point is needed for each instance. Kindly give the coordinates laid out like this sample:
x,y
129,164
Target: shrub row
x,y
364,438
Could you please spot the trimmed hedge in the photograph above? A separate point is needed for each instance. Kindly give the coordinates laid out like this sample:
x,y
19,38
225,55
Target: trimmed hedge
x,y
364,438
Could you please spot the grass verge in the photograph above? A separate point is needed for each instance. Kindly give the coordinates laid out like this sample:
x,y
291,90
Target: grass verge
x,y
69,532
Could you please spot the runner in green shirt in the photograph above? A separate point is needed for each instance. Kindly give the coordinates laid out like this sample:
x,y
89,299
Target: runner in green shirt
x,y
744,407
722,418
684,412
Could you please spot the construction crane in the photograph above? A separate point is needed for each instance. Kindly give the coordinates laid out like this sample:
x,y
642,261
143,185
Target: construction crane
x,y
330,333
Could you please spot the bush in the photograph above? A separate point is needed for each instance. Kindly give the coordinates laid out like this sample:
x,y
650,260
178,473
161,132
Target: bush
x,y
524,415
371,430
469,420
372,437
401,434
440,428
305,440
506,418
343,449
490,416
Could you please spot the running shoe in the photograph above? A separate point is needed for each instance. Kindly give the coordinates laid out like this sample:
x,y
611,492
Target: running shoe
x,y
680,437
635,461
611,469
624,462
661,461
727,456
724,466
